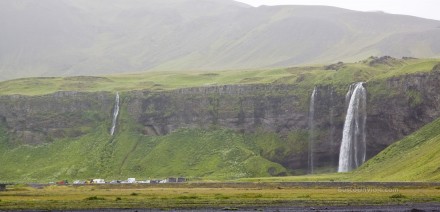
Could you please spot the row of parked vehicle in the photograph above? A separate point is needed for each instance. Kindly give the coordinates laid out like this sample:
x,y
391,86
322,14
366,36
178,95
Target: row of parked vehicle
x,y
128,181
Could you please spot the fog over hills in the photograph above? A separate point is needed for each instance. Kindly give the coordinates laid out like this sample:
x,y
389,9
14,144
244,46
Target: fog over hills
x,y
93,37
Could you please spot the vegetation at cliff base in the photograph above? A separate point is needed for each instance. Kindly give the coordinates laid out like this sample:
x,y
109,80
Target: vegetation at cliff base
x,y
414,158
191,153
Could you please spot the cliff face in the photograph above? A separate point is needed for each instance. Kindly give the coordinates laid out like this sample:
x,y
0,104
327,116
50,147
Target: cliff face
x,y
404,105
244,108
41,119
396,107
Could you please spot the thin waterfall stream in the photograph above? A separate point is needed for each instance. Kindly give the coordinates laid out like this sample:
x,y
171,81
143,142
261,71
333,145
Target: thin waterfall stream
x,y
311,164
115,114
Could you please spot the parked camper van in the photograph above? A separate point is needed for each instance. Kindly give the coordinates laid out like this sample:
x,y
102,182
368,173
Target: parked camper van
x,y
98,181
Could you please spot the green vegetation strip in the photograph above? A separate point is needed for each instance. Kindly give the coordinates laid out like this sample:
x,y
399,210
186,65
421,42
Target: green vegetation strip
x,y
305,77
217,195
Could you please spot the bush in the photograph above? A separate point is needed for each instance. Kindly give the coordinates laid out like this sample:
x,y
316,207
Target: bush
x,y
304,196
188,197
94,198
230,209
397,196
134,194
118,199
221,196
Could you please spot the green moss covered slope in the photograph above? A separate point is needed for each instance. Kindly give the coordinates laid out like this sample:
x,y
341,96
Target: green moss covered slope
x,y
415,158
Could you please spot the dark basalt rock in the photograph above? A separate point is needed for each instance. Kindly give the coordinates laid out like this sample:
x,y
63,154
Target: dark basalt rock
x,y
40,119
436,68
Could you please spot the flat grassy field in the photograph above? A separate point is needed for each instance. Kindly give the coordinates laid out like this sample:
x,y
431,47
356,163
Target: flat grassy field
x,y
212,196
307,76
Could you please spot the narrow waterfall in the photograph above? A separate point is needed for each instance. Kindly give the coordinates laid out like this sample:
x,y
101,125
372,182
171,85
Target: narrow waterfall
x,y
311,132
332,126
353,146
115,114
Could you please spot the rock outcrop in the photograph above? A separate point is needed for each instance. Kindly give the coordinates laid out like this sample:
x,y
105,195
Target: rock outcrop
x,y
35,120
244,108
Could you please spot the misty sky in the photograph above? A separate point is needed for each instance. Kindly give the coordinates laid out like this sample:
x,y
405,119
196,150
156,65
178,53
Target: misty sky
x,y
421,8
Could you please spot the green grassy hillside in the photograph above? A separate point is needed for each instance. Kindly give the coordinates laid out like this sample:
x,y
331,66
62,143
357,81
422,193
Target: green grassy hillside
x,y
208,154
215,154
415,158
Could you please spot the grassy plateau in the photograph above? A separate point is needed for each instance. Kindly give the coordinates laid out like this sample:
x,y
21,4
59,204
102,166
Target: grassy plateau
x,y
306,76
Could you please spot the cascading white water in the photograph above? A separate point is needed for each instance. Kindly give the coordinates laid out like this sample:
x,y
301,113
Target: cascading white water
x,y
311,132
353,146
115,114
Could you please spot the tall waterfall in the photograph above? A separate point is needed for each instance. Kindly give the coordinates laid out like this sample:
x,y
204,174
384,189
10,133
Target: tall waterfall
x,y
311,132
353,145
115,114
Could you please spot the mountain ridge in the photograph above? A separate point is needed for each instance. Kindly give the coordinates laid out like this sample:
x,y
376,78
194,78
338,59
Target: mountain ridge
x,y
67,38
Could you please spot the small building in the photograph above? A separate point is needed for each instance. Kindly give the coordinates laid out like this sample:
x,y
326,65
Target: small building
x,y
131,180
181,180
